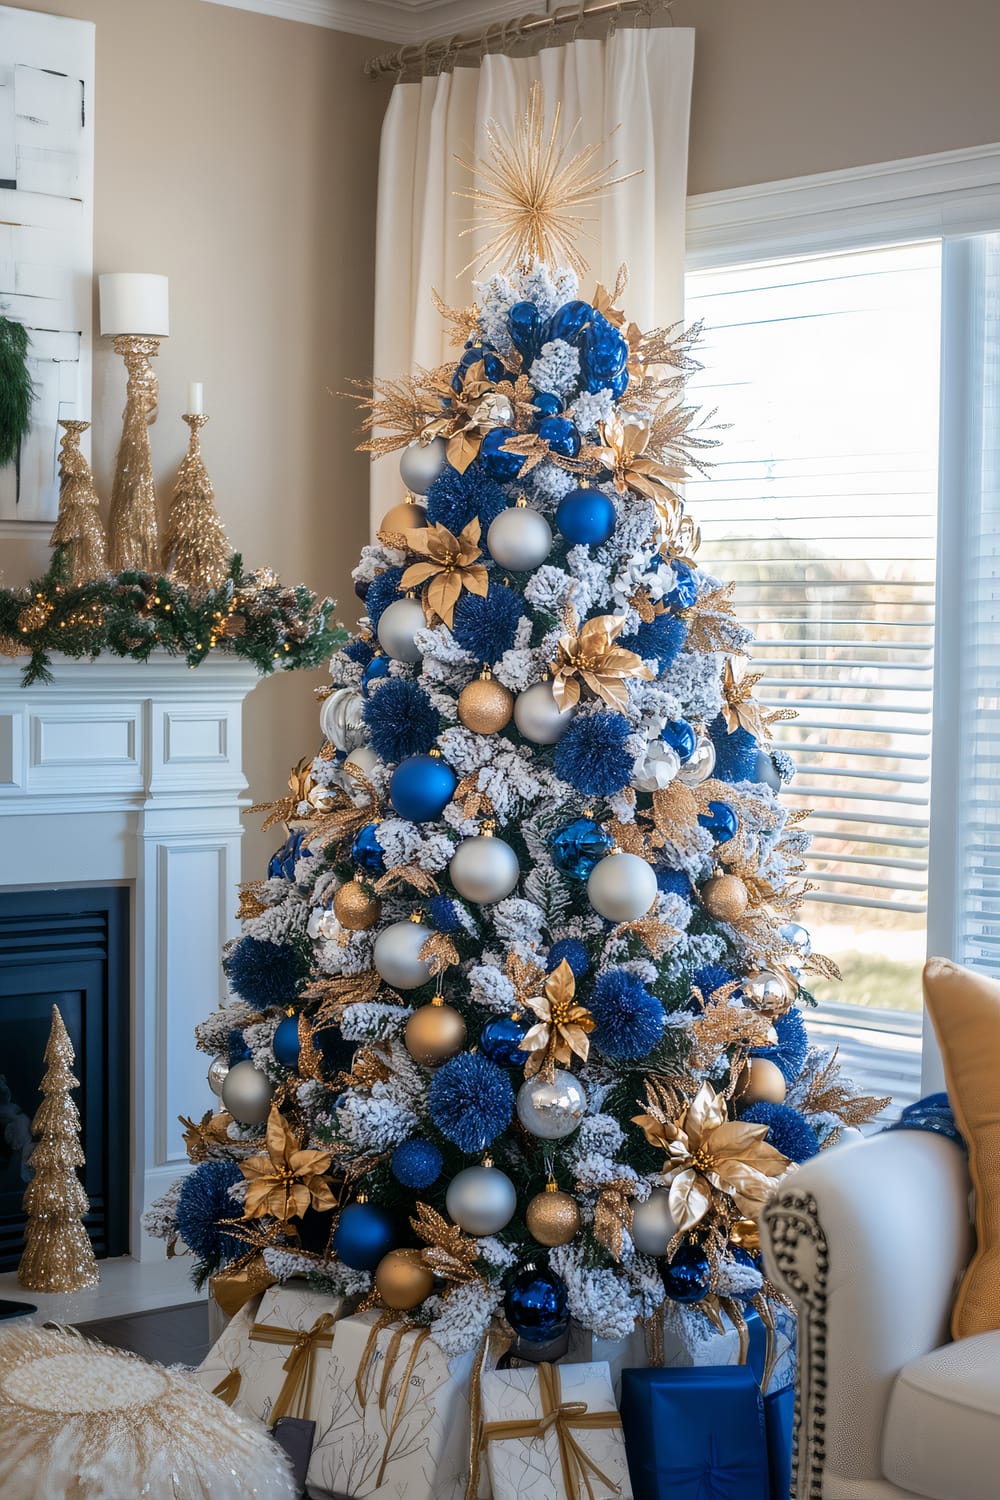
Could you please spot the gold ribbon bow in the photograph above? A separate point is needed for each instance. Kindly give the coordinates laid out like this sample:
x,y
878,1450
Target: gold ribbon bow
x,y
296,1392
565,1418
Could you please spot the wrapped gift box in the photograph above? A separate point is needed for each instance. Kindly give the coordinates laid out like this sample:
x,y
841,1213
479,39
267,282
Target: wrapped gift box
x,y
695,1432
534,1465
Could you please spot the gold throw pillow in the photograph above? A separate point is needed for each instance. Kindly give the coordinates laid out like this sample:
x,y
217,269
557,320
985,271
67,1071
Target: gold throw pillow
x,y
965,1010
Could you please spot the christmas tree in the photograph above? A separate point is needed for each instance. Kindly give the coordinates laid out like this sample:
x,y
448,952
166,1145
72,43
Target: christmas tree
x,y
195,548
78,526
515,1025
58,1256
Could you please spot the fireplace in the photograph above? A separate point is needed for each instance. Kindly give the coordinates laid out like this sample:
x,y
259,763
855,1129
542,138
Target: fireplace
x,y
121,793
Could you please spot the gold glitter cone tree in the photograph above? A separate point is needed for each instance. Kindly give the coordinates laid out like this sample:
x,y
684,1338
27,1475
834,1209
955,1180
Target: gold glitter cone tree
x,y
195,548
58,1256
78,526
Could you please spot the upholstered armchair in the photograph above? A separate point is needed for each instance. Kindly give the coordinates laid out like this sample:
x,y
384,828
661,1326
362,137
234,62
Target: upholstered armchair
x,y
869,1241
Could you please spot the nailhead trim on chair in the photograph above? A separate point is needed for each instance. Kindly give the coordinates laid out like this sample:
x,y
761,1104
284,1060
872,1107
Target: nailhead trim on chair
x,y
793,1223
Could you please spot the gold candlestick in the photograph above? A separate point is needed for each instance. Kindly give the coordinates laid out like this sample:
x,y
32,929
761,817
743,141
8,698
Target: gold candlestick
x,y
195,548
132,541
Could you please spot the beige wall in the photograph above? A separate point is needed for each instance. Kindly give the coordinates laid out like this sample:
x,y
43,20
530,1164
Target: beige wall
x,y
783,88
237,154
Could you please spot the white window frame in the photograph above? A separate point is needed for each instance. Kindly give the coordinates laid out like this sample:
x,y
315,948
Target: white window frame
x,y
944,196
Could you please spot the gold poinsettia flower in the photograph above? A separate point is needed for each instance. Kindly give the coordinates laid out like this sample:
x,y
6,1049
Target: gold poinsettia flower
x,y
707,1153
562,1027
740,709
286,1179
591,659
623,446
449,568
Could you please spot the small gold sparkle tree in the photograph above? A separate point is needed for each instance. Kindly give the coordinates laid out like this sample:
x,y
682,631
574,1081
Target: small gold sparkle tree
x,y
58,1256
195,548
78,526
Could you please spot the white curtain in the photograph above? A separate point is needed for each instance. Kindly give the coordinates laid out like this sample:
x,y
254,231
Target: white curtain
x,y
638,80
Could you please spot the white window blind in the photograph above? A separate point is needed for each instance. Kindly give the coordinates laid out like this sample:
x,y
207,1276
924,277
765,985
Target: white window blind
x,y
822,506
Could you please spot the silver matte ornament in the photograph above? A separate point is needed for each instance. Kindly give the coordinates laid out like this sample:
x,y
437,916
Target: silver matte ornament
x,y
622,887
484,869
700,763
421,463
519,538
217,1070
658,769
551,1110
481,1200
766,771
342,720
397,955
246,1093
397,626
653,1224
367,762
538,717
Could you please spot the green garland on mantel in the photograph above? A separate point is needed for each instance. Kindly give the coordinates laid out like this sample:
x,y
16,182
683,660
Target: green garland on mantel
x,y
133,614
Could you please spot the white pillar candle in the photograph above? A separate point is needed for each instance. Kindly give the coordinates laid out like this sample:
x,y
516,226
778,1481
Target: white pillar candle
x,y
134,303
196,398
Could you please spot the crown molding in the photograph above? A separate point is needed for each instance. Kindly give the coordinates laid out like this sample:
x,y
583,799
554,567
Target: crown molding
x,y
406,22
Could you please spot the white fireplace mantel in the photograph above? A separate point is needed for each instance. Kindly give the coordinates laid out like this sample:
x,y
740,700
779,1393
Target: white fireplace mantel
x,y
121,772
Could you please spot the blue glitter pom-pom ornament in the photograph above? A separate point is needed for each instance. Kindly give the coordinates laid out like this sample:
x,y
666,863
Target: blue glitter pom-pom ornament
x,y
577,848
681,738
560,434
285,1043
497,463
500,1041
688,1276
376,669
421,787
364,1233
416,1163
720,820
366,851
586,517
537,1305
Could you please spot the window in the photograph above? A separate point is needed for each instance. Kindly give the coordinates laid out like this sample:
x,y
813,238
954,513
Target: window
x,y
822,506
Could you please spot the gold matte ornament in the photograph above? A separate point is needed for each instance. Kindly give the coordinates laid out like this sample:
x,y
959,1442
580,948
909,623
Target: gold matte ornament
x,y
553,1217
434,1033
58,1256
195,548
485,706
78,527
402,1281
725,897
763,1083
408,515
355,908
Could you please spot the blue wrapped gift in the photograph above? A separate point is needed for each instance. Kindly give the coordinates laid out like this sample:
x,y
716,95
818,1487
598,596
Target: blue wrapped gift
x,y
695,1434
779,1414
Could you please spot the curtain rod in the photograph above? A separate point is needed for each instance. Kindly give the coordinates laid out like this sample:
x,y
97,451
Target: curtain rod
x,y
445,51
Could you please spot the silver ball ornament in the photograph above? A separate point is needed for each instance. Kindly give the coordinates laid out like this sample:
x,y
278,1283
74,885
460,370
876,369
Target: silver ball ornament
x,y
217,1070
342,720
653,1225
700,763
397,626
553,1110
484,869
246,1093
658,769
397,955
798,939
766,772
421,463
481,1200
519,538
765,991
622,887
538,716
367,762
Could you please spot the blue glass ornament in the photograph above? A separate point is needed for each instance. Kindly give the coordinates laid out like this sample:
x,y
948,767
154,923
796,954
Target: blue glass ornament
x,y
619,384
314,1230
568,321
577,848
720,820
500,1041
492,363
285,1042
586,517
744,1258
421,787
603,353
688,1276
525,324
361,587
376,669
366,851
500,465
282,863
416,1163
685,589
537,1305
364,1233
681,738
560,434
236,1047
547,404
